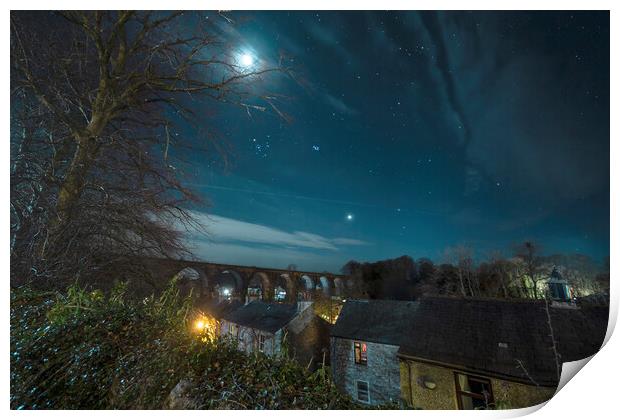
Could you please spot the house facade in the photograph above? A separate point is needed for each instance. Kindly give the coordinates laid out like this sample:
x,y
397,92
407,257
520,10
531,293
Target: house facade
x,y
265,326
431,386
258,326
459,353
252,339
365,370
364,347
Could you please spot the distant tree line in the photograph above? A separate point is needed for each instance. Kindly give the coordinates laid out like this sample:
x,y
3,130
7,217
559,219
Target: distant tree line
x,y
457,273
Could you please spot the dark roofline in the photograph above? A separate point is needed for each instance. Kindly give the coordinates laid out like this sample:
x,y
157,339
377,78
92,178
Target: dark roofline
x,y
379,321
364,340
477,371
482,299
256,321
259,329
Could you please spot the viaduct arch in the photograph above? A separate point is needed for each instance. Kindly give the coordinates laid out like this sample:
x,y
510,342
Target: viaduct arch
x,y
208,280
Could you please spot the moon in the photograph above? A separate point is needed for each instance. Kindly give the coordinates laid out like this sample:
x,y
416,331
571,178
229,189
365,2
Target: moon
x,y
349,217
247,60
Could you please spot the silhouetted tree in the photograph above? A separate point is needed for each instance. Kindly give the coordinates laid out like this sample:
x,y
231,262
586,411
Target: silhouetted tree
x,y
442,279
460,257
500,267
530,265
386,279
426,271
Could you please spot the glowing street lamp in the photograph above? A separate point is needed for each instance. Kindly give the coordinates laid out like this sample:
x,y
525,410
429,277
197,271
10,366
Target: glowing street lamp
x,y
199,324
206,327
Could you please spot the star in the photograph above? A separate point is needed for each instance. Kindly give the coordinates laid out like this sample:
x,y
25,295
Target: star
x,y
349,217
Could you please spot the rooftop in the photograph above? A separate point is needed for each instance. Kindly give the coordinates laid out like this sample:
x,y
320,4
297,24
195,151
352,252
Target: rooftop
x,y
379,321
269,317
220,309
501,337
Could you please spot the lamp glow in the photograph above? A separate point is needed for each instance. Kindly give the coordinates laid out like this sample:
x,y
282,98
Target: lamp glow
x,y
206,327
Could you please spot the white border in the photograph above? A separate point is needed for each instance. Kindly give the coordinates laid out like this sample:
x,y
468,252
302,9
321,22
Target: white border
x,y
592,394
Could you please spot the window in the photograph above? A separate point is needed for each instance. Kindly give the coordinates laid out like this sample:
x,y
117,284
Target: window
x,y
362,391
360,353
473,393
261,342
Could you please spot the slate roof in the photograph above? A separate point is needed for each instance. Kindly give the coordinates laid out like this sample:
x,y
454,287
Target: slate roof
x,y
485,335
262,316
218,310
379,321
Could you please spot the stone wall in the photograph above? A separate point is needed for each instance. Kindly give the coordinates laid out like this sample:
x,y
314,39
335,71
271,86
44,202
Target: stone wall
x,y
507,394
310,345
381,372
248,338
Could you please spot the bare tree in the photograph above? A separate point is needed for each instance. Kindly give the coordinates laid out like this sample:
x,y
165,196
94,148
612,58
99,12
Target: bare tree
x,y
460,257
97,156
501,268
528,253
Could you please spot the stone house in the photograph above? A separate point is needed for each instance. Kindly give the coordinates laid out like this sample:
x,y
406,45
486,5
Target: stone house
x,y
461,353
265,326
364,345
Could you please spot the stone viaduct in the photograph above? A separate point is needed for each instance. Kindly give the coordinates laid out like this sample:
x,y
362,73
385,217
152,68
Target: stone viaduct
x,y
219,281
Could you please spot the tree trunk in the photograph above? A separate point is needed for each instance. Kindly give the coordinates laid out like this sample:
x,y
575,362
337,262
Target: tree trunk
x,y
462,283
502,279
71,188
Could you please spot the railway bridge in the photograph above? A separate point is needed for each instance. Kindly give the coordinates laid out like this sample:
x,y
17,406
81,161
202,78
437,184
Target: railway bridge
x,y
245,283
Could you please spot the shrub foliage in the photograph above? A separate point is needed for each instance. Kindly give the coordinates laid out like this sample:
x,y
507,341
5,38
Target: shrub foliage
x,y
83,349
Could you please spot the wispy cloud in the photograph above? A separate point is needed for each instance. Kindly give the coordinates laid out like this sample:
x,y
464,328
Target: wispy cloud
x,y
330,40
348,241
226,230
266,256
338,104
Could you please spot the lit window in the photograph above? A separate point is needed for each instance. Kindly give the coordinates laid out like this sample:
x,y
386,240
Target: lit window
x,y
280,294
363,394
360,353
473,393
261,343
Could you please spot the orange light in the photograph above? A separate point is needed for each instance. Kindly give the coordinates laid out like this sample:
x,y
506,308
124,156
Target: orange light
x,y
206,327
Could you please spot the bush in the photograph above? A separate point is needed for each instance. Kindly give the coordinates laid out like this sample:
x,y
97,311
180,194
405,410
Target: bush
x,y
83,350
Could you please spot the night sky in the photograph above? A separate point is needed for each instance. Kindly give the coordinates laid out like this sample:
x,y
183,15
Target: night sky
x,y
412,132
